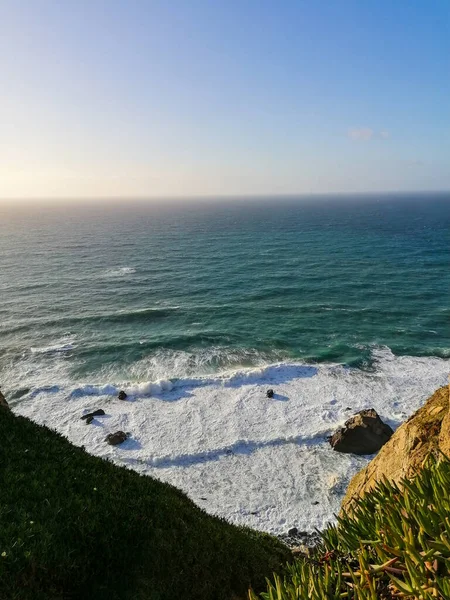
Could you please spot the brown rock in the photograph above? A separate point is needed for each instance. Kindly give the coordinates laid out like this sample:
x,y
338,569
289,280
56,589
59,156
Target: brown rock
x,y
301,551
3,402
444,434
428,430
364,433
116,438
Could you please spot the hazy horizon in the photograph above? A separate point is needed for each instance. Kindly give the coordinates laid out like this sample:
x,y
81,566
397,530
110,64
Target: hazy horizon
x,y
176,202
110,100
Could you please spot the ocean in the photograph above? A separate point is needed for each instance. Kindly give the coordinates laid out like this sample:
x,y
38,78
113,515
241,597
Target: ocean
x,y
195,309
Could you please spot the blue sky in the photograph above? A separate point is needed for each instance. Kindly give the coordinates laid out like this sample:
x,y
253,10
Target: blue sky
x,y
150,98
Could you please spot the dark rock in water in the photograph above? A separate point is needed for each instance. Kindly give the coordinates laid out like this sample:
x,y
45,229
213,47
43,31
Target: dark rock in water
x,y
348,408
96,413
122,395
364,433
269,393
3,402
292,531
315,503
89,420
116,438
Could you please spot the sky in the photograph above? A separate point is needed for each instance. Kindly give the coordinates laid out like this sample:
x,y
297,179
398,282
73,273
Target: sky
x,y
134,98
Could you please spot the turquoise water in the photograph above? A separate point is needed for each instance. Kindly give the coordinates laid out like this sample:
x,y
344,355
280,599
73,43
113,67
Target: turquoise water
x,y
142,291
338,304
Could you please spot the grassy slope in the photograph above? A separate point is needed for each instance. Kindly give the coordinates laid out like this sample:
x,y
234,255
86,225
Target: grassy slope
x,y
75,526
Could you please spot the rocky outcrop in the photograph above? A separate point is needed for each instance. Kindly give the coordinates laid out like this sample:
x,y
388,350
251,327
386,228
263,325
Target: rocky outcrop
x,y
116,438
428,430
96,413
365,433
3,403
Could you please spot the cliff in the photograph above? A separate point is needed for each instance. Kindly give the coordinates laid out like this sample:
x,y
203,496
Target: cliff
x,y
428,430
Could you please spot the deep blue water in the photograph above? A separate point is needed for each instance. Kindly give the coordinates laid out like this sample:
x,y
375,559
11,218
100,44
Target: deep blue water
x,y
143,291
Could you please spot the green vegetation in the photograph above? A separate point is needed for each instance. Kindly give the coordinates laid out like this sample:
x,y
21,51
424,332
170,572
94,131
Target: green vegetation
x,y
396,544
73,526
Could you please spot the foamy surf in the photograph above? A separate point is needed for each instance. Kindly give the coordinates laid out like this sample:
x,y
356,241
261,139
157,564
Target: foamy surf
x,y
253,460
54,348
120,272
65,344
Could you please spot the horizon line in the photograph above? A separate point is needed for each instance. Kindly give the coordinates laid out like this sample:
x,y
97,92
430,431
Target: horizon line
x,y
203,196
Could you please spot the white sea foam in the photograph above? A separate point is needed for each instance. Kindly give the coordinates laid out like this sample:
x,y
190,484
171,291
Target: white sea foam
x,y
64,344
120,272
54,348
253,460
146,388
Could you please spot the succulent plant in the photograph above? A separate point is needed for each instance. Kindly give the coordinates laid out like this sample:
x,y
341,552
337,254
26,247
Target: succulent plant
x,y
394,544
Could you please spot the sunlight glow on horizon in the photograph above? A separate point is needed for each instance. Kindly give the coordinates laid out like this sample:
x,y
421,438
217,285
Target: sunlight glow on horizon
x,y
112,101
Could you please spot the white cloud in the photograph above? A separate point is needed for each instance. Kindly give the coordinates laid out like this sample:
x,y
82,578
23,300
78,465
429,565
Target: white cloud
x,y
362,133
366,134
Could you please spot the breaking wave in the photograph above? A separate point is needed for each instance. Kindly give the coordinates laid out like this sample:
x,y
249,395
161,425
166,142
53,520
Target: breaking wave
x,y
120,272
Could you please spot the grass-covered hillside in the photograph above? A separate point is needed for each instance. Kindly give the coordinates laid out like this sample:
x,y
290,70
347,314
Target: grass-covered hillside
x,y
77,527
395,545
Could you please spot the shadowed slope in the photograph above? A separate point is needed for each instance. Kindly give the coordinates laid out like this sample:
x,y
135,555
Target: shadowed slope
x,y
75,526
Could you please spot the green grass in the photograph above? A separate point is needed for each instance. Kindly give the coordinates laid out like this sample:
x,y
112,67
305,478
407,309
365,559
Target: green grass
x,y
396,544
77,527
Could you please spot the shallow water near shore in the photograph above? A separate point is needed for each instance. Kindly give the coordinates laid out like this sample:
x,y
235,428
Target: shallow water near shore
x,y
337,304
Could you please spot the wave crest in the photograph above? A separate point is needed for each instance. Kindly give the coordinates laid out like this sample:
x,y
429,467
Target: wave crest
x,y
120,272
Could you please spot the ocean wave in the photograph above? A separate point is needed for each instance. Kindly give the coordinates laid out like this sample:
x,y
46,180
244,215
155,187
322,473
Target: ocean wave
x,y
51,349
202,349
383,362
146,388
46,389
89,318
270,374
139,314
66,344
120,272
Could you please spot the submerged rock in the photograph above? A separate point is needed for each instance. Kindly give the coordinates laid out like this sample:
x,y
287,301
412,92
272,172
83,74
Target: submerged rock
x,y
364,433
122,395
116,438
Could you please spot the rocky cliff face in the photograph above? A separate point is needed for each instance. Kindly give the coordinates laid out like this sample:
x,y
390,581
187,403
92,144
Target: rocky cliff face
x,y
426,431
